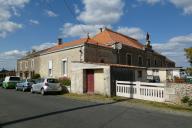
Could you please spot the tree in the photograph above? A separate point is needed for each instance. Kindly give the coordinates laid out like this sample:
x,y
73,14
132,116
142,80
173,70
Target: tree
x,y
188,53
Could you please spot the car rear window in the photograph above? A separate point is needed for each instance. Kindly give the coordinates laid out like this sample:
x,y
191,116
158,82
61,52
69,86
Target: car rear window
x,y
52,81
14,79
32,81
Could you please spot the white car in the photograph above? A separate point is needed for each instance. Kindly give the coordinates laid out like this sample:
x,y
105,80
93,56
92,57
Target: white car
x,y
46,85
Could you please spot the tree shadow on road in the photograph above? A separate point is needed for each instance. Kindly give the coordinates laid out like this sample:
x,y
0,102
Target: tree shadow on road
x,y
57,112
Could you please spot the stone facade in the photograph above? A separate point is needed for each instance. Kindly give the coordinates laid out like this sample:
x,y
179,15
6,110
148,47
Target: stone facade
x,y
99,54
176,91
68,55
27,66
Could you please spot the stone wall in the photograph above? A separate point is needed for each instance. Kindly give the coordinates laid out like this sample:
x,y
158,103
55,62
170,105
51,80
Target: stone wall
x,y
57,58
176,91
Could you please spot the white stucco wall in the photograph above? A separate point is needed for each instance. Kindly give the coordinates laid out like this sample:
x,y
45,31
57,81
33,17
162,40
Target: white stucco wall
x,y
102,81
99,81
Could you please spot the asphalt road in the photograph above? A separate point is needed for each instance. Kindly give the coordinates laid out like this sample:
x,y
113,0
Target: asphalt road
x,y
26,110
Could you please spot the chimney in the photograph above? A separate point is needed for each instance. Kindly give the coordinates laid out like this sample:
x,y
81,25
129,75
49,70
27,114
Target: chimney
x,y
60,41
101,29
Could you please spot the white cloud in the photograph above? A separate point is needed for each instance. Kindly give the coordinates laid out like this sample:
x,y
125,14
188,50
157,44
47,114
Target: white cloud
x,y
79,30
8,58
14,54
51,13
8,26
101,11
186,5
8,8
77,10
43,46
35,22
133,32
174,48
151,2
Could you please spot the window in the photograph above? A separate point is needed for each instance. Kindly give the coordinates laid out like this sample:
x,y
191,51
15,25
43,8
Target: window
x,y
102,61
26,64
140,61
20,65
32,63
155,62
21,75
50,64
148,62
139,74
14,79
52,81
129,59
64,67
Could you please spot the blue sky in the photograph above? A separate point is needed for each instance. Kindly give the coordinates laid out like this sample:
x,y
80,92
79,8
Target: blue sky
x,y
36,24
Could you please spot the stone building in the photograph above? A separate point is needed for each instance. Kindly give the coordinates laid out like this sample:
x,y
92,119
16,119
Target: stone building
x,y
103,56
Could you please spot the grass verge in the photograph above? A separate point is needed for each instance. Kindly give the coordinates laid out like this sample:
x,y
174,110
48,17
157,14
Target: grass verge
x,y
126,101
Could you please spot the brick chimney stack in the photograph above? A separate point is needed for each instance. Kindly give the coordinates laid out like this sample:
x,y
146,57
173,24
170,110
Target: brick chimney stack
x,y
60,41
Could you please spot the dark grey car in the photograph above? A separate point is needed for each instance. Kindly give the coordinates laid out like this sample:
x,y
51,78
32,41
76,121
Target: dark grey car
x,y
25,85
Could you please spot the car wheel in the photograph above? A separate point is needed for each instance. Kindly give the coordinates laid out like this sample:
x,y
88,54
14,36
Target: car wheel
x,y
32,90
42,92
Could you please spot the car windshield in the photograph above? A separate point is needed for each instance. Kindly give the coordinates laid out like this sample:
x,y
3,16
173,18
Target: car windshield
x,y
52,81
14,79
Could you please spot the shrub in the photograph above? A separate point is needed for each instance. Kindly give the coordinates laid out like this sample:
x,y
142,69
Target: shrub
x,y
190,102
36,76
185,99
65,81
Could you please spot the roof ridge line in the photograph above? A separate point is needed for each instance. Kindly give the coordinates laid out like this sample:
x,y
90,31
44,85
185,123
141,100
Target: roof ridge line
x,y
124,35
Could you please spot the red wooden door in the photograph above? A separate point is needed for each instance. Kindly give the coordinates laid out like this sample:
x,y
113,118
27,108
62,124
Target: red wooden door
x,y
90,81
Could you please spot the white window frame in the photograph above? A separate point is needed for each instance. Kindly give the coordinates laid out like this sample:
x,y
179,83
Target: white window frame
x,y
50,68
66,67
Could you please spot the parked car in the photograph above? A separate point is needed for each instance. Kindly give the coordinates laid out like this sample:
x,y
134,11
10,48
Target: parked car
x,y
153,79
25,85
1,82
46,85
10,81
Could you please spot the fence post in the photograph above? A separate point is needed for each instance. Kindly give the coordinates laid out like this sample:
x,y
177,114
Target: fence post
x,y
138,83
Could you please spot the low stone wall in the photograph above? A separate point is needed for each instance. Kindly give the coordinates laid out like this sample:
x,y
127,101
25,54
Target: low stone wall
x,y
176,91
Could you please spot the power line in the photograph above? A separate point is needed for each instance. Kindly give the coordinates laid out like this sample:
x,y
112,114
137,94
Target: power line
x,y
73,15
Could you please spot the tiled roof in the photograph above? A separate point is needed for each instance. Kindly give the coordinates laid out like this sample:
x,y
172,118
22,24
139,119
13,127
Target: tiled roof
x,y
108,36
67,44
76,42
101,39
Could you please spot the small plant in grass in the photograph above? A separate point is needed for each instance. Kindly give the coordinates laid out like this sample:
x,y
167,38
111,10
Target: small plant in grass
x,y
65,81
185,99
190,102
